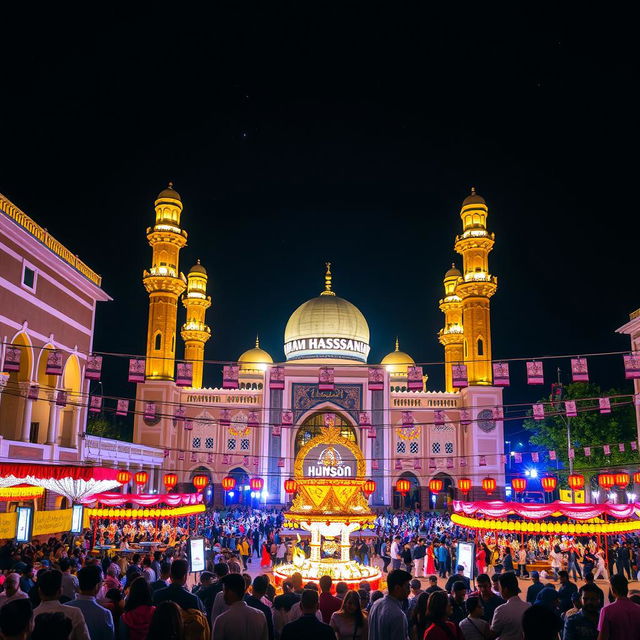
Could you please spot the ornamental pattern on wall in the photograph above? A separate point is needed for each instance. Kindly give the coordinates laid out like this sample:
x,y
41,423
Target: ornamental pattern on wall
x,y
307,396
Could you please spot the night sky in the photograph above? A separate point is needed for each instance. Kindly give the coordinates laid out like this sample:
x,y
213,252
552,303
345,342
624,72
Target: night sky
x,y
299,135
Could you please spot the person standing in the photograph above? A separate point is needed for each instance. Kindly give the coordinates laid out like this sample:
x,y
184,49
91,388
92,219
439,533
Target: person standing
x,y
443,557
349,623
177,591
327,603
256,600
584,624
566,591
98,619
239,621
535,588
507,618
572,563
619,620
387,620
438,612
138,612
396,553
11,590
522,562
307,626
474,627
385,554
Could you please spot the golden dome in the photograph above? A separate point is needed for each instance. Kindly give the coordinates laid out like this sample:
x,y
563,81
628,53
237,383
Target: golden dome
x,y
453,272
254,360
474,198
169,192
327,327
397,362
198,268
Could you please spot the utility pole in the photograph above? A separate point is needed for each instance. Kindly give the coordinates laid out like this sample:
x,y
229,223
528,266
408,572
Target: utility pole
x,y
567,422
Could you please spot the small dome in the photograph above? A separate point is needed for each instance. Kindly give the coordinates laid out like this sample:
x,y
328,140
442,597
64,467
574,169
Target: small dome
x,y
198,268
474,198
397,362
169,192
453,272
254,360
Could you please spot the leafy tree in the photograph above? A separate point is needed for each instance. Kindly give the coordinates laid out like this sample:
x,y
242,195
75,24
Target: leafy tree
x,y
589,429
104,427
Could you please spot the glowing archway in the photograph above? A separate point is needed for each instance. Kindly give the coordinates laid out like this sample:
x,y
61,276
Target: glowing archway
x,y
313,426
12,400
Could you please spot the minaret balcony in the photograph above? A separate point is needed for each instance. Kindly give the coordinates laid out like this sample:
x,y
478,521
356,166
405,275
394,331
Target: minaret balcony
x,y
164,283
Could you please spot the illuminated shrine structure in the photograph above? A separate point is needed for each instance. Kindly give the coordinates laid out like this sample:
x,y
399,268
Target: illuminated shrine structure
x,y
330,504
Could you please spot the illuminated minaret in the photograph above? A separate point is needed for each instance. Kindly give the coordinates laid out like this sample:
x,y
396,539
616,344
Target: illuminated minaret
x,y
451,335
476,288
195,332
165,284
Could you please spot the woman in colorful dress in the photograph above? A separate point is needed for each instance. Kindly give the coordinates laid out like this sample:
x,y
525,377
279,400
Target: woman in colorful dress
x,y
431,564
265,561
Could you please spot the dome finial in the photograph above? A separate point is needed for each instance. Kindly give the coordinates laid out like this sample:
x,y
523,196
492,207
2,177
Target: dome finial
x,y
397,344
473,191
327,282
170,184
257,341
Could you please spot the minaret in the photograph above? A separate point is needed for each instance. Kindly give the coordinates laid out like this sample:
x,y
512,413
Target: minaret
x,y
164,283
194,331
451,336
476,287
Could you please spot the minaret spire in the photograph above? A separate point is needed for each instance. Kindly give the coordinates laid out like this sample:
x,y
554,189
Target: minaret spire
x,y
327,282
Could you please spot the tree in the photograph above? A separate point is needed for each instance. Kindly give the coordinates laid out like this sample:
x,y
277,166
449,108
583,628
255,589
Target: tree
x,y
589,429
102,426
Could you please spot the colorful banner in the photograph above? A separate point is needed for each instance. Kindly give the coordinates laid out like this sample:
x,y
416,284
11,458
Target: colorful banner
x,y
326,379
48,522
414,378
136,370
501,374
94,368
54,364
579,370
459,376
276,378
184,374
376,379
535,374
230,376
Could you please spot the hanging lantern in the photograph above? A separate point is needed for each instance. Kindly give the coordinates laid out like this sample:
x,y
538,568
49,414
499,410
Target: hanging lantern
x,y
141,478
256,484
228,483
435,485
606,481
200,482
519,485
489,485
403,486
369,487
123,477
549,483
576,481
464,484
170,480
290,485
636,477
622,479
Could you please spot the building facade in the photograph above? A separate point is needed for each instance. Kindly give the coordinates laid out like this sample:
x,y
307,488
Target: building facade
x,y
256,428
632,329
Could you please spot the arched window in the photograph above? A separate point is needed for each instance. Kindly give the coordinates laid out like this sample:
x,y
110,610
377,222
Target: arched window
x,y
466,349
157,345
313,426
480,347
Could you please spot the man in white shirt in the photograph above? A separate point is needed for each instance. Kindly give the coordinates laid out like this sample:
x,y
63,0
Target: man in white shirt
x,y
507,618
396,553
12,590
50,589
239,621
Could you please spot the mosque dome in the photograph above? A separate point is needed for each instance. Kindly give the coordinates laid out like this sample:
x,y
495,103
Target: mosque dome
x,y
198,268
474,198
327,326
454,272
254,360
397,362
169,192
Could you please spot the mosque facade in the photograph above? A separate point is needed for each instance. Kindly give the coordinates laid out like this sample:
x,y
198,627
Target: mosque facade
x,y
254,425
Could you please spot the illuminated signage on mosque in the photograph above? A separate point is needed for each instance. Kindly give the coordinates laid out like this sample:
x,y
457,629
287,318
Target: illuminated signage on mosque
x,y
326,348
330,461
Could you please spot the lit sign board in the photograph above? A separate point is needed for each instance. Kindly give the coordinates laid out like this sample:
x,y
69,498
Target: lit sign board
x,y
24,524
330,461
465,556
76,518
196,554
326,348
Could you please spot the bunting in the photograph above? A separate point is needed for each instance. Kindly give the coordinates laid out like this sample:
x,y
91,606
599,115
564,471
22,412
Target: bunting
x,y
364,419
632,365
276,378
579,370
150,411
54,363
184,374
287,418
376,379
570,408
605,405
122,408
136,370
501,374
94,367
538,411
95,404
12,359
414,378
459,377
326,379
230,376
535,374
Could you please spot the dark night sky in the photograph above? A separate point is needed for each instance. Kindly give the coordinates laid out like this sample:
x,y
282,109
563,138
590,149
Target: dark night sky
x,y
298,136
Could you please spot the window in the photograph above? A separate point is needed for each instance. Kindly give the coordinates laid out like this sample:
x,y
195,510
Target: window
x,y
29,278
435,447
244,444
231,444
414,447
196,443
448,447
157,345
480,347
401,447
208,443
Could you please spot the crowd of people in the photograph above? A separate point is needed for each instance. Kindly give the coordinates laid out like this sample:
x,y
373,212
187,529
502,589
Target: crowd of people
x,y
62,588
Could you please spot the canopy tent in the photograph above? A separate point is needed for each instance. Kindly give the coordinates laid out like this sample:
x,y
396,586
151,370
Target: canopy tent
x,y
144,499
499,509
72,482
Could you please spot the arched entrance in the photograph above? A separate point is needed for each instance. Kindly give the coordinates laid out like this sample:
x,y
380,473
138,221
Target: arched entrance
x,y
241,494
43,406
313,426
70,415
12,400
412,499
442,499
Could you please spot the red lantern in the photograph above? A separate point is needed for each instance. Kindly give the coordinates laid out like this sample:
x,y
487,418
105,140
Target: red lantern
x,y
519,485
170,481
228,483
200,482
141,478
435,485
123,477
489,485
549,483
636,477
606,481
290,485
576,481
403,486
464,484
622,479
369,487
256,484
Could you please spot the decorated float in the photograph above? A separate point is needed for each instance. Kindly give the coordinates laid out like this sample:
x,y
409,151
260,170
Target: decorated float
x,y
330,503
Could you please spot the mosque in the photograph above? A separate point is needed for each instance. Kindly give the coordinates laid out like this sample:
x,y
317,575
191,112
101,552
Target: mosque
x,y
254,425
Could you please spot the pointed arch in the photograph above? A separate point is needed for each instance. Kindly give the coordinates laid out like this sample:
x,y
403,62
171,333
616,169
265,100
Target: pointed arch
x,y
12,400
157,341
480,346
